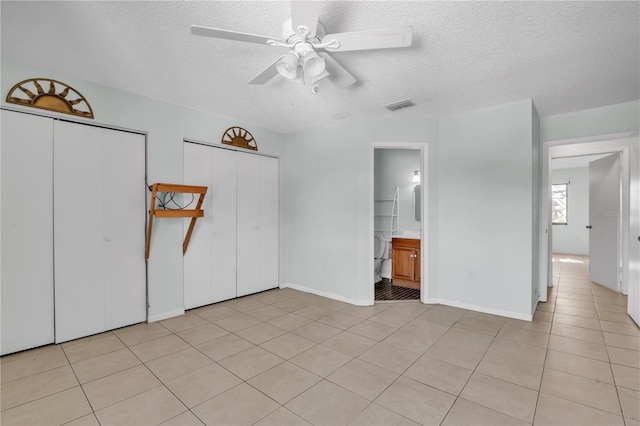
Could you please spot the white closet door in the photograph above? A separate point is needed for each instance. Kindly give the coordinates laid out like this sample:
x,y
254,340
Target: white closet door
x,y
269,189
78,230
26,146
197,259
124,228
223,213
248,250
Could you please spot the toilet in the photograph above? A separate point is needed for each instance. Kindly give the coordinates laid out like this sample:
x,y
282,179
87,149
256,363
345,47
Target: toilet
x,y
381,249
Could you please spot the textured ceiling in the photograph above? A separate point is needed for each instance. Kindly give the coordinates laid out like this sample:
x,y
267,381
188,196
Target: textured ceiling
x,y
566,56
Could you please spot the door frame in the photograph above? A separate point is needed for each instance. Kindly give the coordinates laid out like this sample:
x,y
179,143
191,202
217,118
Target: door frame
x,y
610,143
423,147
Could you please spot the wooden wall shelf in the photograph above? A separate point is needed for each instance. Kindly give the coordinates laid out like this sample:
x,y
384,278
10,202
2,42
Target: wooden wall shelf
x,y
164,213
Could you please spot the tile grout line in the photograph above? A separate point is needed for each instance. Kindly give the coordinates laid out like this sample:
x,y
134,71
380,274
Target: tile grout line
x,y
589,286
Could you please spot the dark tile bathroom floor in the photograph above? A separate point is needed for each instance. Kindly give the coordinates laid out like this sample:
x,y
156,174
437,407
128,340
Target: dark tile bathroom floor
x,y
386,291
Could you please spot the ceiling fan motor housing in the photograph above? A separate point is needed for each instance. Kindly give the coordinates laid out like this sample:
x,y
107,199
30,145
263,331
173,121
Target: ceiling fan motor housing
x,y
291,36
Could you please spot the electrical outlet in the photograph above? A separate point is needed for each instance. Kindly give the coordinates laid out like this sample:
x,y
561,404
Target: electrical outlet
x,y
471,274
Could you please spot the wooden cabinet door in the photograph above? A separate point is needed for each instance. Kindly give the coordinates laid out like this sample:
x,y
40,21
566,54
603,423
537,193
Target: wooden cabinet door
x,y
416,266
26,269
402,262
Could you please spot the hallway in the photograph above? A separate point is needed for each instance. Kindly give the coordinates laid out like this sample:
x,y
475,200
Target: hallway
x,y
592,355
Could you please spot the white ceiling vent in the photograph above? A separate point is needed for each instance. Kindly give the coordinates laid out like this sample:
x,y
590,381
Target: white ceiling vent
x,y
394,106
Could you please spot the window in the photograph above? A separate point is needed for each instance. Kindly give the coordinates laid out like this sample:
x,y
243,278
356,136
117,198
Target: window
x,y
559,202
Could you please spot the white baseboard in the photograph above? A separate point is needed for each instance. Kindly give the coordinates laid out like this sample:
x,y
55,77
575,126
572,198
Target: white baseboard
x,y
165,315
534,306
483,309
357,302
362,302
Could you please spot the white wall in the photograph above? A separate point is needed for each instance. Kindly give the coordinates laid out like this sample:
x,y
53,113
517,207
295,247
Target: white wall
x,y
328,206
597,121
486,180
573,238
166,126
394,168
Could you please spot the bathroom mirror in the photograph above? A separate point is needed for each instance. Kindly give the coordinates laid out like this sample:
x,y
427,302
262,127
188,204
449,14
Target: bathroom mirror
x,y
417,202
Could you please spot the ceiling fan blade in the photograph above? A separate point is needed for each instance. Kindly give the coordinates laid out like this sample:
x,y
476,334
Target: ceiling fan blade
x,y
337,74
229,35
305,13
383,38
266,74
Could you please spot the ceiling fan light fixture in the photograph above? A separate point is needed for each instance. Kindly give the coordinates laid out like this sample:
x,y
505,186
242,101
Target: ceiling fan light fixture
x,y
312,64
288,65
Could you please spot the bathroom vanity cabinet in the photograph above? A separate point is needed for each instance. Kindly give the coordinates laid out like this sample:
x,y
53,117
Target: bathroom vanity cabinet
x,y
406,262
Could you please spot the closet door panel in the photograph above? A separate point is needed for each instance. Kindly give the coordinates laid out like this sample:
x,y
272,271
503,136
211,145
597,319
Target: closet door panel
x,y
248,230
26,152
124,226
222,192
78,230
269,189
197,259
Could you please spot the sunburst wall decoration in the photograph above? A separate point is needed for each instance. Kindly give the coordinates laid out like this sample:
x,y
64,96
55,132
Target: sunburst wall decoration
x,y
60,97
237,136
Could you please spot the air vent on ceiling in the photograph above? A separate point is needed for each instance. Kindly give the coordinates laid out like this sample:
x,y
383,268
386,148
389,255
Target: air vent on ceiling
x,y
394,106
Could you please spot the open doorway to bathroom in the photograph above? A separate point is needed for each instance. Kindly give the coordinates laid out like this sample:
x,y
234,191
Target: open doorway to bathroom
x,y
397,220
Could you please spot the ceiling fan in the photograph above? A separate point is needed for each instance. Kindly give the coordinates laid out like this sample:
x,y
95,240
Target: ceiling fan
x,y
309,46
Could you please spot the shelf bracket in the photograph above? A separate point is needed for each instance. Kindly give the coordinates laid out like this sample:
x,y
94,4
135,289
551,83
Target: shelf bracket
x,y
164,213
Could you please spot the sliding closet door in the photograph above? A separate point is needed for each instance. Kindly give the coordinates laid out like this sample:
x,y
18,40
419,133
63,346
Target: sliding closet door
x,y
223,217
248,250
269,200
99,212
124,212
26,151
234,248
197,259
210,260
257,223
78,230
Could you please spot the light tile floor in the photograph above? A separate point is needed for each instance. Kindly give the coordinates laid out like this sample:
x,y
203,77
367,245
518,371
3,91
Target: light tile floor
x,y
284,357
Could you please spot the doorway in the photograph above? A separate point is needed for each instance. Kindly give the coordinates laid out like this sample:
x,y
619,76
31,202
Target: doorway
x,y
585,202
628,147
398,215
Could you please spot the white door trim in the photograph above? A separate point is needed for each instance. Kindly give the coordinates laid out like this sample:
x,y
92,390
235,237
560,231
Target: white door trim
x,y
424,220
609,143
